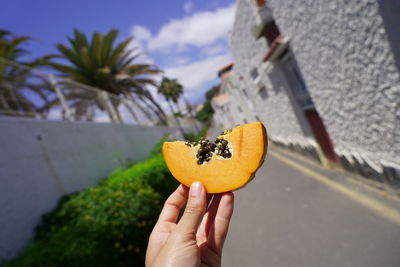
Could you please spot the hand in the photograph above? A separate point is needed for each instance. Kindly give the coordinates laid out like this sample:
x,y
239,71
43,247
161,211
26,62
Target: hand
x,y
198,238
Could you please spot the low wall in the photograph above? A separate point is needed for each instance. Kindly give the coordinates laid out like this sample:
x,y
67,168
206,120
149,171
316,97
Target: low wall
x,y
43,160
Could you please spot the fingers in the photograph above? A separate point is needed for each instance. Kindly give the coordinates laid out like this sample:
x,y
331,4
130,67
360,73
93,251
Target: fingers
x,y
194,211
173,205
219,228
166,221
208,219
209,257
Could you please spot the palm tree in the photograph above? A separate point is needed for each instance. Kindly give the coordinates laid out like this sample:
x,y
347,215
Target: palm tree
x,y
189,109
17,82
10,47
110,67
172,91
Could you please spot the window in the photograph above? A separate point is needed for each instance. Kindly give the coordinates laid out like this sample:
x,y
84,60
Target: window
x,y
254,73
245,93
271,32
263,93
240,110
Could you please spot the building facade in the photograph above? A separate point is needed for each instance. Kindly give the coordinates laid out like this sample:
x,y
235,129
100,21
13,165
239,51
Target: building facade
x,y
323,74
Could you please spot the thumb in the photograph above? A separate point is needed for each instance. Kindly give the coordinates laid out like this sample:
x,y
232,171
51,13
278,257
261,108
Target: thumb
x,y
195,209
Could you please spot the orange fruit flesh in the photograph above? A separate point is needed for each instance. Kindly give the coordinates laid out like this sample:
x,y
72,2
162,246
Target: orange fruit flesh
x,y
248,145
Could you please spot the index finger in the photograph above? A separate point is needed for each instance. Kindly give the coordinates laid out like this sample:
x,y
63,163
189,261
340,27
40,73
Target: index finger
x,y
174,204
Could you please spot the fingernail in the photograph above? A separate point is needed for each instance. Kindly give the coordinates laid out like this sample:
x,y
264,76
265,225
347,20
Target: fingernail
x,y
195,189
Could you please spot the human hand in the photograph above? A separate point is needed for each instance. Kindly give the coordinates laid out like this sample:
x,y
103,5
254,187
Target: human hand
x,y
197,239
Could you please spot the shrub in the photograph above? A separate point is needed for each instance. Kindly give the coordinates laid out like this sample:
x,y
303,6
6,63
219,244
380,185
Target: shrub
x,y
203,132
195,138
206,113
102,226
105,225
153,172
158,147
190,137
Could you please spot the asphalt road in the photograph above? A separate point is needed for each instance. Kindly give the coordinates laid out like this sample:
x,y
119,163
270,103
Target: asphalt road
x,y
286,217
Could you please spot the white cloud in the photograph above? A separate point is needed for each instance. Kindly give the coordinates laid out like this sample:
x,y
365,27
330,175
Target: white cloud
x,y
140,33
188,6
140,36
195,75
214,49
199,29
191,49
181,60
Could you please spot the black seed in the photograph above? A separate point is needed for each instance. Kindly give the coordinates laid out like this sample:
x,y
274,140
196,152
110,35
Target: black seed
x,y
212,146
207,159
200,162
217,141
228,154
224,142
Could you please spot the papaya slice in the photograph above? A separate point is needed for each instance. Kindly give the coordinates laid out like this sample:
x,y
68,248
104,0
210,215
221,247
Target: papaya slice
x,y
226,164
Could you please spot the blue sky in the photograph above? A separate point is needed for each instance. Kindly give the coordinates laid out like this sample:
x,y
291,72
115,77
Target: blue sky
x,y
188,39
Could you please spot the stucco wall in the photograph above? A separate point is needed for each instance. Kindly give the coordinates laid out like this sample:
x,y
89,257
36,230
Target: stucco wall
x,y
344,54
43,160
275,111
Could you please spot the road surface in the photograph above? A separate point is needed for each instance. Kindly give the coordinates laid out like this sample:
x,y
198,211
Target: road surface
x,y
296,213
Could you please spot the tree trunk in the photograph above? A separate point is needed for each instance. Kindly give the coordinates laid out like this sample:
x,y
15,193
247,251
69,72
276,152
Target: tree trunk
x,y
142,109
192,118
154,110
176,119
161,111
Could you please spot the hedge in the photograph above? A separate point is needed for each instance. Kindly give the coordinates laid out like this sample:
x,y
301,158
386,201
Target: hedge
x,y
105,225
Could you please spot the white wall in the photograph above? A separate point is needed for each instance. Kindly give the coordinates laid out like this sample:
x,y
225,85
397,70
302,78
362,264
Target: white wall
x,y
276,111
43,160
347,53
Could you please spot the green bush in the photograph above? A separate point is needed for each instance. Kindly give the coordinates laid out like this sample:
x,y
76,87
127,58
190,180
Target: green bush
x,y
106,225
195,138
153,172
102,226
206,113
190,137
203,132
157,149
